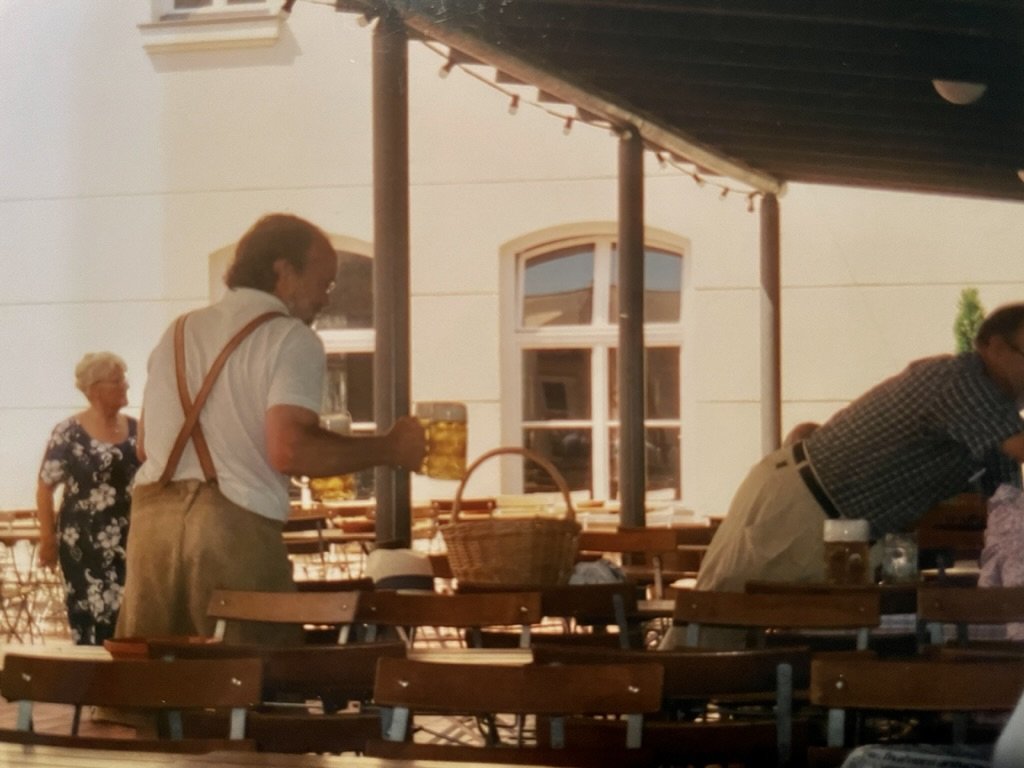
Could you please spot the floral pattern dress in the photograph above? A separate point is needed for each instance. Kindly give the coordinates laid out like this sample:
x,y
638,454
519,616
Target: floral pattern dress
x,y
92,523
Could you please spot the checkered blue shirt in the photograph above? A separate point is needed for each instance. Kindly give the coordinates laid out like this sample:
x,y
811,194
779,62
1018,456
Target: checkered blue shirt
x,y
914,440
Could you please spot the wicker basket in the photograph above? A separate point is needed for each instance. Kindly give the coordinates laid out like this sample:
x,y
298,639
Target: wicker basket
x,y
534,551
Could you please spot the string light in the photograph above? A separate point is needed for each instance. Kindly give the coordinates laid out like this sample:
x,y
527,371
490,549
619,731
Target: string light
x,y
664,158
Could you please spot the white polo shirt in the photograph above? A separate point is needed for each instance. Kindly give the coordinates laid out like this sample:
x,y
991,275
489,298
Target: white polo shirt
x,y
281,363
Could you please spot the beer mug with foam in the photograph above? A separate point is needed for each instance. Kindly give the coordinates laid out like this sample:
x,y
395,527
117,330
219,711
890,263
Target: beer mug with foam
x,y
846,551
445,427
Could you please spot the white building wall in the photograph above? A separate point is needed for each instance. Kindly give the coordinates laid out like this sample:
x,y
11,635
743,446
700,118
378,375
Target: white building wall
x,y
121,171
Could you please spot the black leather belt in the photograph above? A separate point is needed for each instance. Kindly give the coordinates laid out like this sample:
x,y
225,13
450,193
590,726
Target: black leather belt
x,y
807,474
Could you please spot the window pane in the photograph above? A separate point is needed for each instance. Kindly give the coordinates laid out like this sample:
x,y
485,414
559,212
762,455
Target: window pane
x,y
350,376
353,374
662,460
558,288
350,304
663,272
661,383
556,384
568,449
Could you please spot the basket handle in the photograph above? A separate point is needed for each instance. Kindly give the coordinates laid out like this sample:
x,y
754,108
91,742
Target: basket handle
x,y
536,458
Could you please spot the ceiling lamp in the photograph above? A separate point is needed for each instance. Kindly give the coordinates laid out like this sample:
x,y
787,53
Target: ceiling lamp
x,y
958,91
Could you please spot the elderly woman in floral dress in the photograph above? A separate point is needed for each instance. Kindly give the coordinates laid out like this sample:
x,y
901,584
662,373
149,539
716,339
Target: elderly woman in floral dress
x,y
91,457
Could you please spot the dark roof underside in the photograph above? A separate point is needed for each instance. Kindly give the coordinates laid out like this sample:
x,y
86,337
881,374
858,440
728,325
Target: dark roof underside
x,y
819,91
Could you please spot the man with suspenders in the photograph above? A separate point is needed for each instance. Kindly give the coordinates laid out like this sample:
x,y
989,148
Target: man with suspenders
x,y
230,410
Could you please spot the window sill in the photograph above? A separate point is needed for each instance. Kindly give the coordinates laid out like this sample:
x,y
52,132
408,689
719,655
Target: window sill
x,y
210,31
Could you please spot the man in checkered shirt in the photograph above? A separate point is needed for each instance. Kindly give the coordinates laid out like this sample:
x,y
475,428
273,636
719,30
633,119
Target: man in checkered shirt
x,y
942,425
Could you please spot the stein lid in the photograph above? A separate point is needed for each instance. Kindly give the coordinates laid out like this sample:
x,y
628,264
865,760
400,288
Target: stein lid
x,y
847,530
441,411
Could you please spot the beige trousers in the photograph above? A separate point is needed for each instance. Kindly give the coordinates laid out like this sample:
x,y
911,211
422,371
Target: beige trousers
x,y
188,539
773,531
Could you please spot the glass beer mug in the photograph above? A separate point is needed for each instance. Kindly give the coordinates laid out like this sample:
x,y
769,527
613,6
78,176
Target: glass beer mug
x,y
335,487
847,551
445,427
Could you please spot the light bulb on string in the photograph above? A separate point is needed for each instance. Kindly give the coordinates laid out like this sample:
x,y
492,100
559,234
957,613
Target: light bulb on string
x,y
750,202
567,128
724,193
699,180
661,160
446,69
513,105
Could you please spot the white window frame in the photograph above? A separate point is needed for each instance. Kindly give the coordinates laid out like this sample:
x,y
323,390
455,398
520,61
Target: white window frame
x,y
600,337
217,26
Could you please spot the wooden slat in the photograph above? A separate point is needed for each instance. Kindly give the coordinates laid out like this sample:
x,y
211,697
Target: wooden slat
x,y
792,611
864,681
619,688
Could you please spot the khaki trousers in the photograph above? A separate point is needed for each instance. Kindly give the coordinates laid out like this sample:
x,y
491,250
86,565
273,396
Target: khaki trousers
x,y
187,540
773,531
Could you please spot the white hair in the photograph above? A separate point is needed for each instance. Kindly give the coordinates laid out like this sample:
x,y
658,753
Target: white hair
x,y
96,366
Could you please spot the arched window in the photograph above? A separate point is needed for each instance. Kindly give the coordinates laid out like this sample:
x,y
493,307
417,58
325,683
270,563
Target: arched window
x,y
564,343
346,327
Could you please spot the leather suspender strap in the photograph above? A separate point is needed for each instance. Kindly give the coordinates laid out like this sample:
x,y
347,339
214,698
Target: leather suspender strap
x,y
198,438
191,427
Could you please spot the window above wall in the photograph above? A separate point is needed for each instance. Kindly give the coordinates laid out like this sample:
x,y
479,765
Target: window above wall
x,y
189,25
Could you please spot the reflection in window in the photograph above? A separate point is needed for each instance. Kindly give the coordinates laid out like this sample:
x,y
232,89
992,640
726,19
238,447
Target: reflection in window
x,y
556,384
349,386
350,304
661,447
663,284
568,449
350,380
558,288
661,377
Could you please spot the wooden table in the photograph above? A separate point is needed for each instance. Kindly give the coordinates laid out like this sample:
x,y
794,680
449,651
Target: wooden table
x,y
17,756
647,610
14,534
55,650
511,656
501,656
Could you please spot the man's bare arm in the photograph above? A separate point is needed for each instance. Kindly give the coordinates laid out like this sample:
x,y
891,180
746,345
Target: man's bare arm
x,y
297,445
